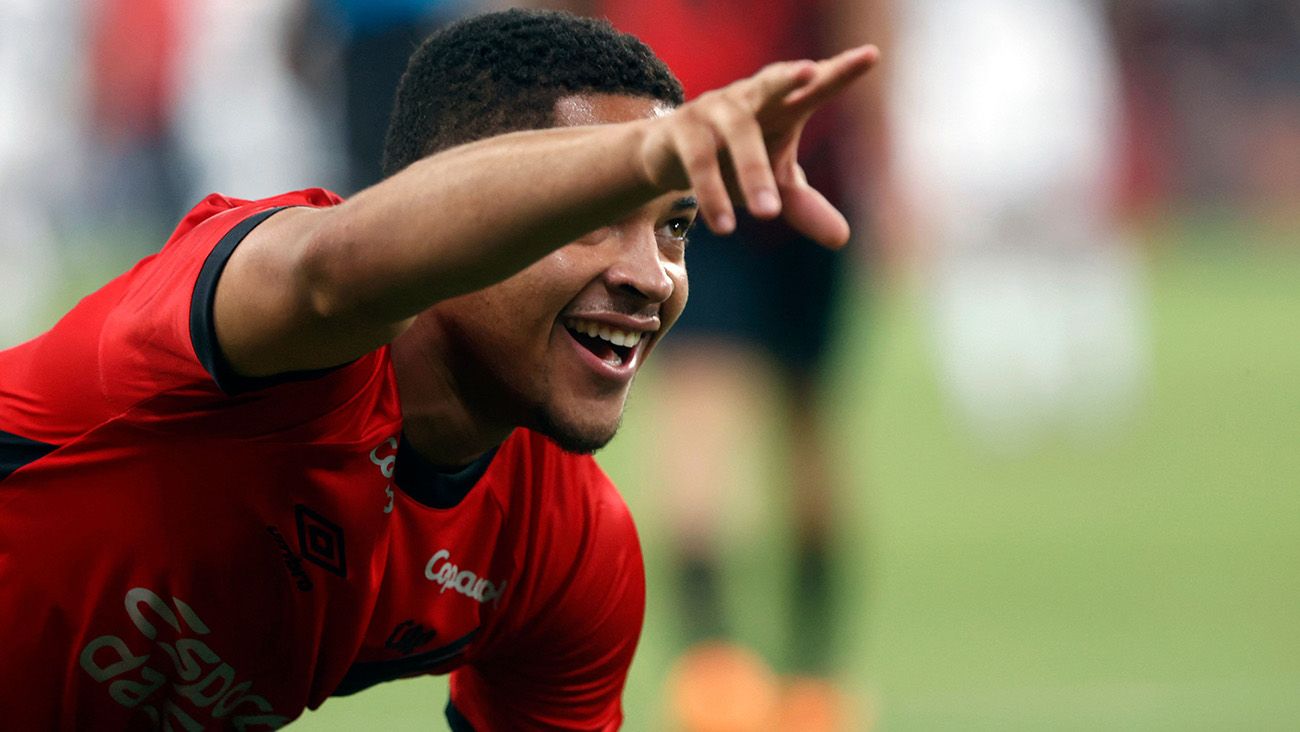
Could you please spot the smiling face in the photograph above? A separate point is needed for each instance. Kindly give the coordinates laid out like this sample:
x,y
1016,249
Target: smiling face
x,y
555,347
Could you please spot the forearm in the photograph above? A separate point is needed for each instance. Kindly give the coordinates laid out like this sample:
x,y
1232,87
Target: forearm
x,y
471,216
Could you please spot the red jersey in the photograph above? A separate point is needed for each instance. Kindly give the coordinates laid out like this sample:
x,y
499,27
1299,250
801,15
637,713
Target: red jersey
x,y
183,548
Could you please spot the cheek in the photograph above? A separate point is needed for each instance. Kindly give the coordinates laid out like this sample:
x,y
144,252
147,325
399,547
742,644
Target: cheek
x,y
547,284
672,308
499,318
528,296
676,303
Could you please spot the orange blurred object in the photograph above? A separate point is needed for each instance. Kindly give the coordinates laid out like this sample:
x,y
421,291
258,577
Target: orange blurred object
x,y
720,687
816,705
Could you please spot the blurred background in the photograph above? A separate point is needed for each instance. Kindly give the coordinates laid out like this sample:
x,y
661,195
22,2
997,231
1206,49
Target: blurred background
x,y
1058,418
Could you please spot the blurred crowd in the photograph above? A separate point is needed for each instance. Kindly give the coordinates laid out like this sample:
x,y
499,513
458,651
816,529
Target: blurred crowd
x,y
1002,151
1212,101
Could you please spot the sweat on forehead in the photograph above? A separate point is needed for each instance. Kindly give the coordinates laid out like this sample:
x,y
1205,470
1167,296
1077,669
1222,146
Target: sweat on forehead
x,y
573,110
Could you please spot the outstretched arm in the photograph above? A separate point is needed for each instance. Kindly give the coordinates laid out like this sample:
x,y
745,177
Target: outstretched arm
x,y
315,288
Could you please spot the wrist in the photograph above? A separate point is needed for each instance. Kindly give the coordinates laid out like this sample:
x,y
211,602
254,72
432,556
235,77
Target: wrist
x,y
658,165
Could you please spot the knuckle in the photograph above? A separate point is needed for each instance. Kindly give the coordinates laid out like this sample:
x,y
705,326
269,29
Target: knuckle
x,y
734,113
695,111
707,99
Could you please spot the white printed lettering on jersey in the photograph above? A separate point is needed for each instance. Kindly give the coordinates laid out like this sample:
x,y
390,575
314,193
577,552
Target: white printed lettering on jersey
x,y
441,571
385,463
174,691
386,467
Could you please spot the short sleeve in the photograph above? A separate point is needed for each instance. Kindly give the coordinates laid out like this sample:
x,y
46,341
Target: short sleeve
x,y
566,670
142,340
159,335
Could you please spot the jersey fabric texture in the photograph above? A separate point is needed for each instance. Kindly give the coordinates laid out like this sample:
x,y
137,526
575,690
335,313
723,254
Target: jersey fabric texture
x,y
181,548
765,285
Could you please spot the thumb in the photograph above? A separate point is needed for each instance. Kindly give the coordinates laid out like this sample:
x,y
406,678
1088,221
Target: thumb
x,y
807,211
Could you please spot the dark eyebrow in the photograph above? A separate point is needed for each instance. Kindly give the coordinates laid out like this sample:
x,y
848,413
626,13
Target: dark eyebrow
x,y
684,203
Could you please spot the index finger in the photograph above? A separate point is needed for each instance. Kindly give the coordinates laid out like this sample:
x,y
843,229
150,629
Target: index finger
x,y
831,76
776,81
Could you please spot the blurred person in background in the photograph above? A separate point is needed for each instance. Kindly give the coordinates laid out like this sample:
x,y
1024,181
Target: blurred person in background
x,y
136,185
1214,105
375,38
1006,119
250,116
757,335
40,93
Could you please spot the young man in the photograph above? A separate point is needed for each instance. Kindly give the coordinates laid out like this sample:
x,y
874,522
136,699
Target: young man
x,y
313,445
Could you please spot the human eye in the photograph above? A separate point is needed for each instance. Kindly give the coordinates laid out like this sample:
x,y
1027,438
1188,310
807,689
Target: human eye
x,y
675,226
679,227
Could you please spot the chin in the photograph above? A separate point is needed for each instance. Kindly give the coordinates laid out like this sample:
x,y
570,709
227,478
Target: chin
x,y
576,436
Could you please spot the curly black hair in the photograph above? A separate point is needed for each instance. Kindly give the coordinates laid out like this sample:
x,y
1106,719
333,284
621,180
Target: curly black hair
x,y
503,72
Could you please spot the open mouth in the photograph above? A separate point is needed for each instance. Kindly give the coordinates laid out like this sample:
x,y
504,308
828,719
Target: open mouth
x,y
611,345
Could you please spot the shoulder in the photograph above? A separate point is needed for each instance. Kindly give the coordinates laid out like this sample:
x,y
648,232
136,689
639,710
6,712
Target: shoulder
x,y
158,342
575,529
575,614
216,204
133,338
210,231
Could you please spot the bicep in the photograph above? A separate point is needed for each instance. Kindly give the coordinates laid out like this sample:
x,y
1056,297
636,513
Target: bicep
x,y
267,312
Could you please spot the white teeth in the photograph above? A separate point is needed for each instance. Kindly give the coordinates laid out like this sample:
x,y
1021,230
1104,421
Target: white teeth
x,y
613,335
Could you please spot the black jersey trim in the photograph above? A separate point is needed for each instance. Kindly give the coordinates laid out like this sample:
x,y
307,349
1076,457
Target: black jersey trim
x,y
17,451
203,327
456,720
365,674
434,486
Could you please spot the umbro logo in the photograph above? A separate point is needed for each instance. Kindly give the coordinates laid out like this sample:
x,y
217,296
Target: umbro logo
x,y
320,541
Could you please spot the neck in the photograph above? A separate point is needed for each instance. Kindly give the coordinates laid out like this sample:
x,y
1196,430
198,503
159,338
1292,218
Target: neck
x,y
439,420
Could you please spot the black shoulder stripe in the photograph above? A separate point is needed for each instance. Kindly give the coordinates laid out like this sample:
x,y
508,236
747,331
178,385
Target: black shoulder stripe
x,y
457,720
16,451
203,327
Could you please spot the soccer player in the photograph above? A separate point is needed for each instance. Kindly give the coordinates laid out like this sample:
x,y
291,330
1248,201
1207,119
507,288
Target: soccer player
x,y
312,445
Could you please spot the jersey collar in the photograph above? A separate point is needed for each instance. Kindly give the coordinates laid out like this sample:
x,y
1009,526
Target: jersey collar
x,y
436,486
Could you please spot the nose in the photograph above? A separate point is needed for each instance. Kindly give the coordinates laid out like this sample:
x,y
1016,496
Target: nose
x,y
639,267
